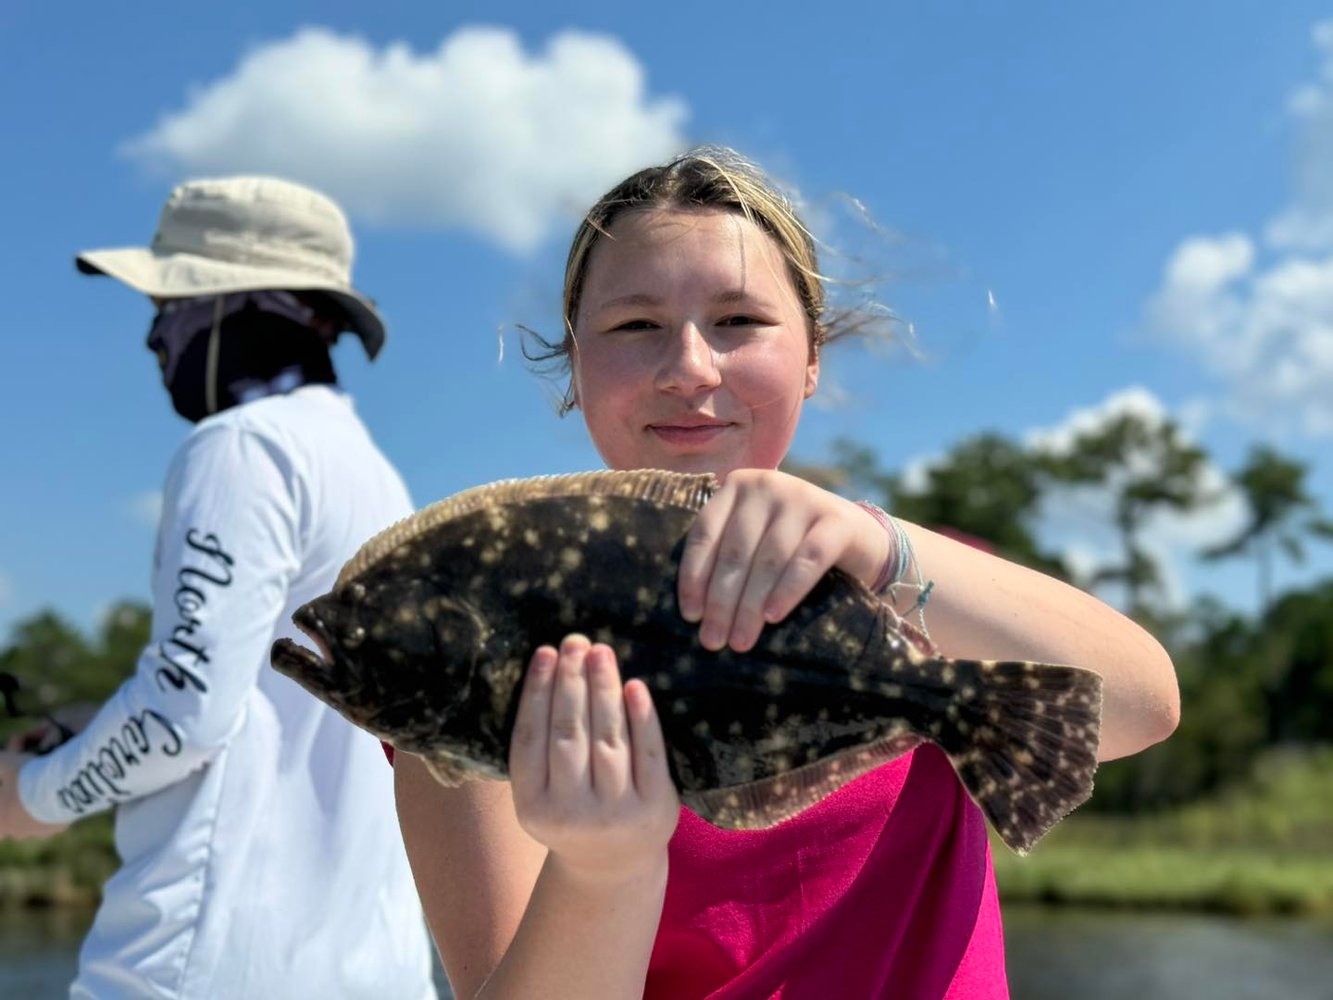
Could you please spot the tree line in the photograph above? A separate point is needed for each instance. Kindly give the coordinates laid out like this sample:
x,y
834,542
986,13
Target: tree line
x,y
1247,681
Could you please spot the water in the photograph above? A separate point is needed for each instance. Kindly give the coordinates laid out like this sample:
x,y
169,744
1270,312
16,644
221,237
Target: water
x,y
1054,954
1112,955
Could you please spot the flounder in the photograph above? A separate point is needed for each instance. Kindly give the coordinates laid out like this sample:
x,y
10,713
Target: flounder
x,y
430,626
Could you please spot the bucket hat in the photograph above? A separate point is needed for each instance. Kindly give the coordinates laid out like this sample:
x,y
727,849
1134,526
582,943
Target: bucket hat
x,y
238,234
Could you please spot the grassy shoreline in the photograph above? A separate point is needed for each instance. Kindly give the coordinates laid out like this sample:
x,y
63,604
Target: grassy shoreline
x,y
62,871
1262,847
1239,882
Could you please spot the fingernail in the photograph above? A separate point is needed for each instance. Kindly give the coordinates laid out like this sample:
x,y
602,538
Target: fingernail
x,y
573,642
711,637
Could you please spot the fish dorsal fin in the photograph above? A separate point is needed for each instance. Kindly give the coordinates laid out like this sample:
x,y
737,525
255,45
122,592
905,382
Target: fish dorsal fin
x,y
673,489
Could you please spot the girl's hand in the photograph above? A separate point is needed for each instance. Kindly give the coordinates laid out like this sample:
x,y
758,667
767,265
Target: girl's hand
x,y
759,546
588,764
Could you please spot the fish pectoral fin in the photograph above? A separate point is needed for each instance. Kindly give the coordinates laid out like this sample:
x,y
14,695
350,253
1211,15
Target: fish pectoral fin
x,y
758,805
1025,743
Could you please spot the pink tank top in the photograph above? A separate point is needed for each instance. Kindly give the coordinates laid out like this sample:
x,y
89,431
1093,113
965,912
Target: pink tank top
x,y
883,889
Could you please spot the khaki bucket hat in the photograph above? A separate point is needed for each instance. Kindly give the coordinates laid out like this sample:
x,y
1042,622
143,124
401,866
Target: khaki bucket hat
x,y
240,234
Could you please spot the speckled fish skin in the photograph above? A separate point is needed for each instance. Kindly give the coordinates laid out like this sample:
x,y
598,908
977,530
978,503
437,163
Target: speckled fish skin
x,y
428,631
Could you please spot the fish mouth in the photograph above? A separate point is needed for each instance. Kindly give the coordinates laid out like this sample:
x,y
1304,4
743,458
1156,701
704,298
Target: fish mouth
x,y
291,658
298,662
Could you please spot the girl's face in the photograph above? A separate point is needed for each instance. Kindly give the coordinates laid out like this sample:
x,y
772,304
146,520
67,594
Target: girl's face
x,y
691,349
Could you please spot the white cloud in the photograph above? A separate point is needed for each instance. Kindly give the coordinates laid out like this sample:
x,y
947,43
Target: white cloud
x,y
478,134
1134,401
146,507
1263,324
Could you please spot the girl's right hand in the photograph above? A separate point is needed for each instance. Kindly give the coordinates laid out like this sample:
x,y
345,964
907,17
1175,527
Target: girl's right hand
x,y
588,764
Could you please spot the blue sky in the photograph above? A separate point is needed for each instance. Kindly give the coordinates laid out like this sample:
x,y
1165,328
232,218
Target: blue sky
x,y
1139,186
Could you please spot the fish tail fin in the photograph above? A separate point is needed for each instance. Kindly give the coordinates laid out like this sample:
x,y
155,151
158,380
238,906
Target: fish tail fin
x,y
1024,741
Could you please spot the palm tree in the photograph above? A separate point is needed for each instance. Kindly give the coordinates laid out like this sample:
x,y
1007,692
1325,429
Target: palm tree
x,y
1281,515
1146,465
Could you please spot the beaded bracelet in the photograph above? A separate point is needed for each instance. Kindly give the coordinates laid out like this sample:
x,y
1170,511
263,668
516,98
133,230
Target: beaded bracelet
x,y
900,555
900,559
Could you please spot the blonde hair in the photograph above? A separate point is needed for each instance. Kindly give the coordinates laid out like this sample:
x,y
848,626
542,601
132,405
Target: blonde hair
x,y
704,178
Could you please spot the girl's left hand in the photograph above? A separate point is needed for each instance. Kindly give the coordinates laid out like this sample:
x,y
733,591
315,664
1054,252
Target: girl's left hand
x,y
759,546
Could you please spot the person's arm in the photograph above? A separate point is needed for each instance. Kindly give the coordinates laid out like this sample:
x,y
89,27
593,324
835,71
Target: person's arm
x,y
226,553
761,543
563,872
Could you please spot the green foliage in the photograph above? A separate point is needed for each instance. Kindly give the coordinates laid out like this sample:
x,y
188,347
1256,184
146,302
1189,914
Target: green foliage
x,y
1263,844
1281,515
986,487
67,869
56,665
1146,465
1300,660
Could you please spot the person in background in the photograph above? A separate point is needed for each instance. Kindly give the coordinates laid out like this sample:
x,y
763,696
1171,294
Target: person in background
x,y
695,319
260,856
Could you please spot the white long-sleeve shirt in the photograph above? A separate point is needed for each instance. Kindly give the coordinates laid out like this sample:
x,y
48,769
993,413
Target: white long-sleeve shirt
x,y
259,842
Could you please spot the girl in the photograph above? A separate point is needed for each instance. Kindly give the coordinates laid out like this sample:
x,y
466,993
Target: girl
x,y
694,319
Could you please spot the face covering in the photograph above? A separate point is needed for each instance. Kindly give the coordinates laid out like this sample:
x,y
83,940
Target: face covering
x,y
218,351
